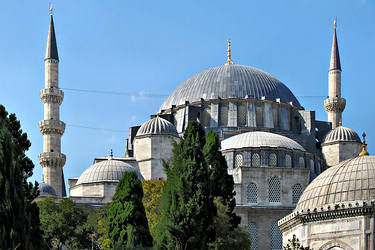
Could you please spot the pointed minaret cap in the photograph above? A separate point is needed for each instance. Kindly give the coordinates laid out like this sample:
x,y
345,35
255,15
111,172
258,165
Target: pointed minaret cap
x,y
335,56
364,146
51,50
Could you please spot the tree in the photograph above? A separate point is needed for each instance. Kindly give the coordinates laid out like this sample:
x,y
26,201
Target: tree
x,y
97,223
19,216
152,201
188,208
228,237
222,183
64,224
127,225
294,244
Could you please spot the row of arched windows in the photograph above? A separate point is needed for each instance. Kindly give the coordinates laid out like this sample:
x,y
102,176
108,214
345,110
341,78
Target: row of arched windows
x,y
275,237
274,191
255,161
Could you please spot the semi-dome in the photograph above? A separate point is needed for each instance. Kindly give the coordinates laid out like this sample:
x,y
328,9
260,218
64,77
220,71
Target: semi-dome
x,y
106,171
46,190
349,181
157,126
260,139
341,134
230,81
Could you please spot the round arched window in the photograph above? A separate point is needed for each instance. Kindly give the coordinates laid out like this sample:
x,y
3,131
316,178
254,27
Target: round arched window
x,y
273,160
255,160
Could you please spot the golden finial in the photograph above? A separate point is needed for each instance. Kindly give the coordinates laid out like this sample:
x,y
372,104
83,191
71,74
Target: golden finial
x,y
111,153
229,61
335,23
364,146
50,9
340,123
157,114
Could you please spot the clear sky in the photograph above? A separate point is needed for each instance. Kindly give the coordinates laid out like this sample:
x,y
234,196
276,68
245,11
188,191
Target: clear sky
x,y
150,47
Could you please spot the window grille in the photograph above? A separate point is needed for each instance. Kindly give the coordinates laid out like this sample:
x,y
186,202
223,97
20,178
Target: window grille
x,y
252,229
296,192
273,160
223,116
274,190
255,160
276,237
288,161
259,116
206,117
312,169
241,114
301,162
252,193
238,160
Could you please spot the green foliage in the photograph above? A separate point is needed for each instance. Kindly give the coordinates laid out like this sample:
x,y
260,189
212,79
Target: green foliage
x,y
188,208
222,183
19,216
152,201
64,224
294,244
127,225
97,223
228,237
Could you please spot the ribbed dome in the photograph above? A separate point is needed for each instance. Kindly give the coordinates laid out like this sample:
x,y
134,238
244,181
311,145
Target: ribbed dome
x,y
46,190
351,180
341,134
106,171
230,81
259,139
157,126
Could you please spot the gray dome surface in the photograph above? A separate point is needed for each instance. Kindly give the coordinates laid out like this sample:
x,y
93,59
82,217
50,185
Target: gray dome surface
x,y
259,139
230,81
342,134
106,171
157,126
46,189
351,180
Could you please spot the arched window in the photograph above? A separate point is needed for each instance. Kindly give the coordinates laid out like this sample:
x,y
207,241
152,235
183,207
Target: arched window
x,y
312,169
206,117
276,237
288,161
301,162
275,113
238,160
318,168
273,160
252,193
252,229
274,190
259,116
241,114
255,160
223,116
296,192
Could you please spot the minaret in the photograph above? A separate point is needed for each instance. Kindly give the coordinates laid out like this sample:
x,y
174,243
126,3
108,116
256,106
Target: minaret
x,y
335,104
52,160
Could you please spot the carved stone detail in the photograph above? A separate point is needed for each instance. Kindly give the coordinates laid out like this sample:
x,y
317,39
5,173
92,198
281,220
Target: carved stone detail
x,y
52,127
336,104
52,159
51,95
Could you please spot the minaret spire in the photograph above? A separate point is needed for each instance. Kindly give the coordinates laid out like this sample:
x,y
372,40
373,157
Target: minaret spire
x,y
52,160
334,104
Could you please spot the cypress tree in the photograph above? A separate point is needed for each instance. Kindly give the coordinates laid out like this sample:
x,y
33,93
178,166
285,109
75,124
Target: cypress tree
x,y
222,183
127,225
188,207
19,215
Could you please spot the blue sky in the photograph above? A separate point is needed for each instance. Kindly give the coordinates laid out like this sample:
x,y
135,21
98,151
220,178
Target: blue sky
x,y
150,47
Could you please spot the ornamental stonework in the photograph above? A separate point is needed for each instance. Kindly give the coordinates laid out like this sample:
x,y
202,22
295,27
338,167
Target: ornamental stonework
x,y
336,104
52,159
51,95
52,127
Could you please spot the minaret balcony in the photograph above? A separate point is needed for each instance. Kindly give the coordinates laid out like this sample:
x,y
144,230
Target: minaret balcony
x,y
52,159
334,104
51,95
52,127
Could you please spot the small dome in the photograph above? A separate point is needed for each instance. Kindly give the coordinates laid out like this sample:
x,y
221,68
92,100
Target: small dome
x,y
46,190
351,180
341,134
259,139
157,126
106,171
230,81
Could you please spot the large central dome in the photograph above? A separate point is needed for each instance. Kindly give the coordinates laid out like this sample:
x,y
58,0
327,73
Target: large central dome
x,y
230,81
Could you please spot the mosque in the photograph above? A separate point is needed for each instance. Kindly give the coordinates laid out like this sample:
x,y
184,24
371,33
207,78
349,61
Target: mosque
x,y
291,171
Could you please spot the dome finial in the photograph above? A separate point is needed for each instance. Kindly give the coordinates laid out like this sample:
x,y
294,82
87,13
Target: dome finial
x,y
340,123
50,9
229,60
335,23
111,153
364,146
